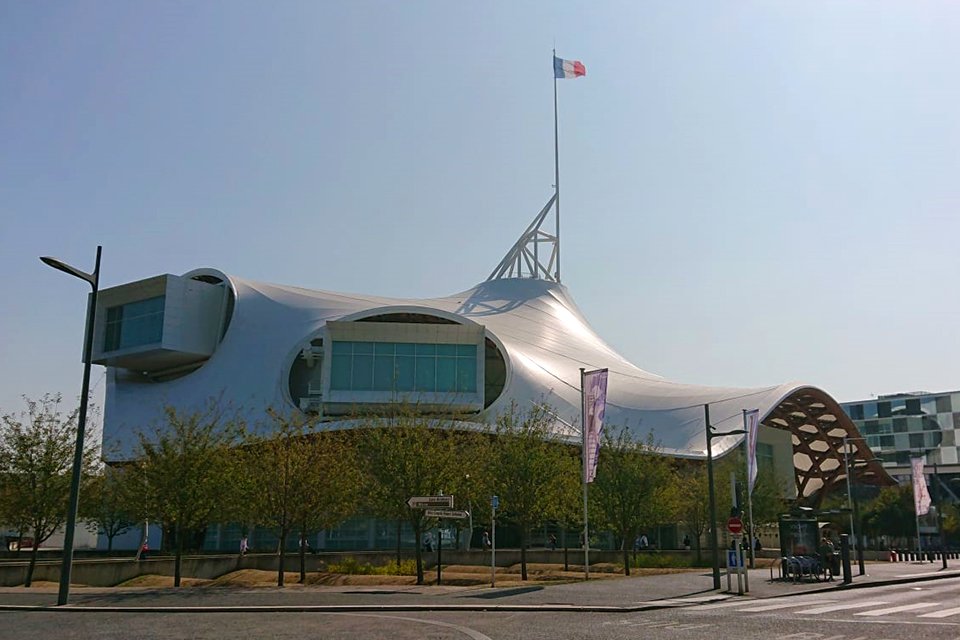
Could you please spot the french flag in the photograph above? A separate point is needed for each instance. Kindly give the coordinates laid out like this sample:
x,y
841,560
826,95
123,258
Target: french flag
x,y
568,68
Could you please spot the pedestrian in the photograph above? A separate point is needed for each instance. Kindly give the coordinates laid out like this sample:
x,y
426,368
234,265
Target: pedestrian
x,y
826,554
553,542
485,541
144,550
686,542
644,542
757,545
244,548
428,542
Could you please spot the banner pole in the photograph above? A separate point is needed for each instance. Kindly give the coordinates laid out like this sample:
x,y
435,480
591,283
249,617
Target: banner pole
x,y
753,534
556,176
586,526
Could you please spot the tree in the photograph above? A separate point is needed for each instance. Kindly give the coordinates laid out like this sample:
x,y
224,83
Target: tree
x,y
528,471
106,505
891,513
187,470
36,457
634,486
299,477
332,487
411,454
694,502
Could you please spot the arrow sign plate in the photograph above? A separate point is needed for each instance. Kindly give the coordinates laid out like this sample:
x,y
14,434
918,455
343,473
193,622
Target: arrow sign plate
x,y
430,502
446,513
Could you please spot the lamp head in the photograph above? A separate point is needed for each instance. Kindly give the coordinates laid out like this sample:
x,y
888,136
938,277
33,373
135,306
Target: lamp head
x,y
63,266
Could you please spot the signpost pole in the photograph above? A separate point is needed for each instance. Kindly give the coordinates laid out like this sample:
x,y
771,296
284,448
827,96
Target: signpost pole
x,y
743,568
439,547
493,542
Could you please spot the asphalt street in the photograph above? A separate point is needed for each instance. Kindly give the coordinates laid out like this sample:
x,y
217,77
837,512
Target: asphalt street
x,y
902,607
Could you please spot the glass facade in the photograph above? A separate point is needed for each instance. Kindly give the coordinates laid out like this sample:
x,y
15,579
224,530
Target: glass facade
x,y
134,324
897,427
403,366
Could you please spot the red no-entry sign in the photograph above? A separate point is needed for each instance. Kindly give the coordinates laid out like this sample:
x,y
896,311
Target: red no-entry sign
x,y
734,525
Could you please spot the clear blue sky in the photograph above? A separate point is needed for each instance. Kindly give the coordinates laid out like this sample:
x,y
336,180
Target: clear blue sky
x,y
753,192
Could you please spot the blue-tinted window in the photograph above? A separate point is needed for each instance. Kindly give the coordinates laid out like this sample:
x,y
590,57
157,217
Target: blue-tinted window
x,y
383,371
405,372
426,378
134,324
883,410
466,374
340,370
402,366
362,374
855,411
446,372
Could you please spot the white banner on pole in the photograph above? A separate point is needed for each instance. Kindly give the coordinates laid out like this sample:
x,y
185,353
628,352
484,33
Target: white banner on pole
x,y
751,421
595,402
921,497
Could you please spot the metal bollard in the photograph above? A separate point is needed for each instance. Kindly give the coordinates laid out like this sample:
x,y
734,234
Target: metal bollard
x,y
845,558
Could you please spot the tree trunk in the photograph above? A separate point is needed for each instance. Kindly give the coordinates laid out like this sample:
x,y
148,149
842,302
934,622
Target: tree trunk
x,y
626,554
283,556
399,529
699,556
566,561
178,561
523,553
303,557
33,560
109,543
417,536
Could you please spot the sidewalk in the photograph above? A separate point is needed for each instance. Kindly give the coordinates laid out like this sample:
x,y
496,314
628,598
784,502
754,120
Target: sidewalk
x,y
600,595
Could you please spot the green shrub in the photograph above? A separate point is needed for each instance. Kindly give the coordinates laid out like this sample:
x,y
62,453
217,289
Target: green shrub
x,y
660,561
350,566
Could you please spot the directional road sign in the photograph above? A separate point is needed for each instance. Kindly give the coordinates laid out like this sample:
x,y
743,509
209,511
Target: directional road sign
x,y
446,513
430,502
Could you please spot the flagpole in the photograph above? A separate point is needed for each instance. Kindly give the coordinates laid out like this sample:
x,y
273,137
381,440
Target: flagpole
x,y
586,526
916,510
556,171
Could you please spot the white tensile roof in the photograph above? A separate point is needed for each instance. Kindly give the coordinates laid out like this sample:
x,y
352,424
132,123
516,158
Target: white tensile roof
x,y
545,341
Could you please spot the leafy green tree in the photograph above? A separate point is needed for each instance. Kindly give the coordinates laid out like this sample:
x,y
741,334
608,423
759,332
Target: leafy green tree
x,y
694,502
277,468
529,472
106,504
298,477
188,471
411,454
332,488
36,459
635,486
891,514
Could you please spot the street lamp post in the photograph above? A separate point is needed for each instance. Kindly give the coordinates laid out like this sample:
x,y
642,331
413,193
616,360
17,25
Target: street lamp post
x,y
943,535
852,504
714,543
93,279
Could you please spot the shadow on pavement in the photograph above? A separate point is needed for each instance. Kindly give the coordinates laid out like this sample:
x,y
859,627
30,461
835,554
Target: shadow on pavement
x,y
502,593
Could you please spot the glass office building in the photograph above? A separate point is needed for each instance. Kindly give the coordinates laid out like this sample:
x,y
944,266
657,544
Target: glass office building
x,y
901,426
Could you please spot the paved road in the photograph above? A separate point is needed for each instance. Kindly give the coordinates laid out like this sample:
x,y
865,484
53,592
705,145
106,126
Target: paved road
x,y
902,601
927,609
